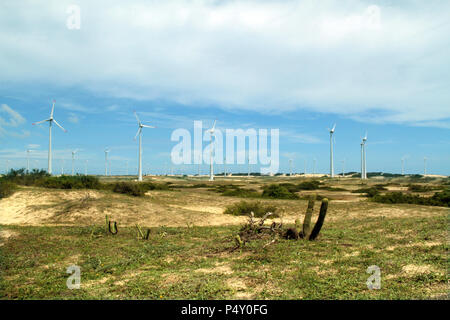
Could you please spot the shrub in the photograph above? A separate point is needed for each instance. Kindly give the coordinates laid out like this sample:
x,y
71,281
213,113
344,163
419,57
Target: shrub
x,y
419,188
276,191
7,188
130,188
243,193
155,186
244,208
21,177
70,182
309,185
370,192
438,199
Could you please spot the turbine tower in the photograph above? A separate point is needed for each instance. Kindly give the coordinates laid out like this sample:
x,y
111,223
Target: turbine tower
x,y
364,151
425,166
314,166
403,166
73,159
211,169
290,167
139,133
331,152
85,167
50,121
28,160
363,157
106,161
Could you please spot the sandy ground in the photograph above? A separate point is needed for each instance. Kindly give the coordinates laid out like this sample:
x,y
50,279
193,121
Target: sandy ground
x,y
188,207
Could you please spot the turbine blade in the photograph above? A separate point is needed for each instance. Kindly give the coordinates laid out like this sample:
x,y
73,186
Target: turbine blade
x,y
365,137
59,125
53,108
137,133
137,118
214,125
334,127
146,126
34,123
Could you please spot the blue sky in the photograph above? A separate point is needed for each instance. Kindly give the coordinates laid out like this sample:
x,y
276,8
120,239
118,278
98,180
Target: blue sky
x,y
298,66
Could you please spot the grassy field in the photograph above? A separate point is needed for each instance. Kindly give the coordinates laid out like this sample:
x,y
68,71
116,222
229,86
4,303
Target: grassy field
x,y
190,251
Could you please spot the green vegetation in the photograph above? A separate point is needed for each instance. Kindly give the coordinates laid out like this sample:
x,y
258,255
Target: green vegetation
x,y
276,191
438,199
130,188
197,263
6,188
244,208
419,188
371,191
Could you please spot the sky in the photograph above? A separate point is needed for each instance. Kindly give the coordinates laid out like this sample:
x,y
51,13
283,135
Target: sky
x,y
297,66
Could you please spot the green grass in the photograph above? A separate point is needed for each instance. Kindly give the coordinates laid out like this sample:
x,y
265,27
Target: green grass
x,y
197,263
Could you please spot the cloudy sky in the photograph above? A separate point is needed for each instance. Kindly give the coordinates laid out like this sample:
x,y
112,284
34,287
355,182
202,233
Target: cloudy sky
x,y
299,66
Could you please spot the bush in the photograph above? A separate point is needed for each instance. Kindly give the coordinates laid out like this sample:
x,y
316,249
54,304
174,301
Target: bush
x,y
70,182
21,177
130,188
309,185
244,208
438,199
155,186
419,188
370,192
276,191
7,188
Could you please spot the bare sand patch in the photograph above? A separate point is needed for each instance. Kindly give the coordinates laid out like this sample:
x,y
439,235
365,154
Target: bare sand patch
x,y
5,235
219,268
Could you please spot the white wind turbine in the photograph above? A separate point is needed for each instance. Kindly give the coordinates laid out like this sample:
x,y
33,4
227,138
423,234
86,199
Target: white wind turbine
x,y
73,159
28,160
106,161
139,133
331,152
211,169
50,121
425,166
363,157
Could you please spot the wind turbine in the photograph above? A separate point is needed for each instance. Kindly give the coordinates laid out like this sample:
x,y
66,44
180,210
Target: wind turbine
x,y
425,166
331,152
364,153
139,133
28,160
314,166
50,121
343,168
85,167
106,161
62,167
304,173
363,157
403,166
73,158
290,167
211,170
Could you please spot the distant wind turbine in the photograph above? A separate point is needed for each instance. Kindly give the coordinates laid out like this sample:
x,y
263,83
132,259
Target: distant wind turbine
x,y
106,161
424,166
211,169
331,152
28,160
363,157
139,133
290,167
50,121
73,159
85,167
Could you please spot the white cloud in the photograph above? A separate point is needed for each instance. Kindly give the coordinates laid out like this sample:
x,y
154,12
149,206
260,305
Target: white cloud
x,y
10,118
344,57
73,118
